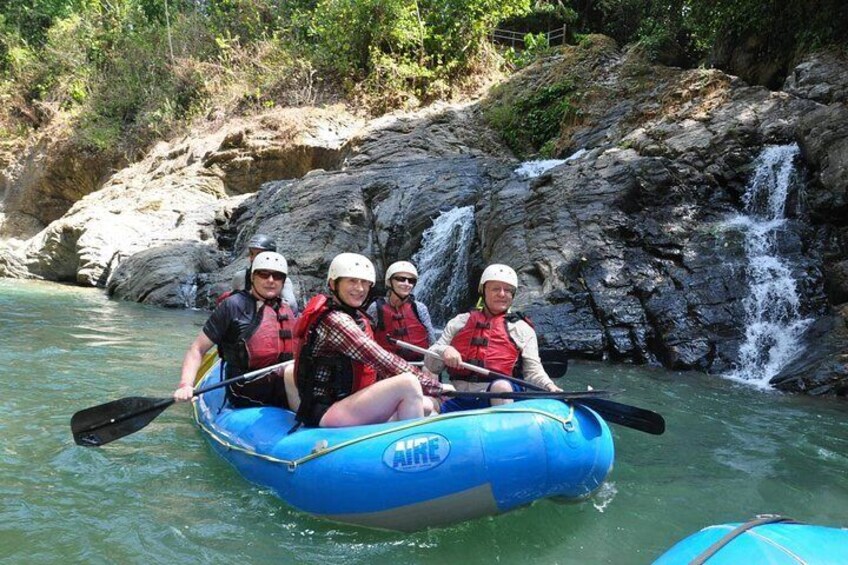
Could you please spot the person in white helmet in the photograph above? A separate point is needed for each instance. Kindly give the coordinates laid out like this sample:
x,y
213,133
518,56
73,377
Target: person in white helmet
x,y
257,244
252,329
492,337
399,315
343,376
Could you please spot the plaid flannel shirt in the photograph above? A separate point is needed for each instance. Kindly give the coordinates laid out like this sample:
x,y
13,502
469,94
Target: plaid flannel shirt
x,y
339,334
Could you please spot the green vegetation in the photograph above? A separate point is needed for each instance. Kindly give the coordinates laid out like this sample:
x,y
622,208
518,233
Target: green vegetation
x,y
694,31
128,72
530,122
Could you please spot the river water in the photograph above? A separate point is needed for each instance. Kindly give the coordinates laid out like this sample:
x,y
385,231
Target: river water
x,y
162,496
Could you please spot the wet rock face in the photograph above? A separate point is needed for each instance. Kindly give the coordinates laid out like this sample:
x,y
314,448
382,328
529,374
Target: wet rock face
x,y
380,203
165,276
625,252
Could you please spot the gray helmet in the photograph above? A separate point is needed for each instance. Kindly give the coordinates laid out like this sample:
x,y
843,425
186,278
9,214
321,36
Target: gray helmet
x,y
263,242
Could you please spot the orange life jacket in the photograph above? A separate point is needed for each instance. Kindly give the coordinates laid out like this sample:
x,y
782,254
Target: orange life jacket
x,y
485,341
271,341
400,323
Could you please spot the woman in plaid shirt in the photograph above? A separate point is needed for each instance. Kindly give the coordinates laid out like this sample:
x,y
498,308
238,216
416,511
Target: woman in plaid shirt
x,y
344,377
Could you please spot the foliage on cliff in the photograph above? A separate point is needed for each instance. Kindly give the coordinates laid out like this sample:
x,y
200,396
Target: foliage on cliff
x,y
128,72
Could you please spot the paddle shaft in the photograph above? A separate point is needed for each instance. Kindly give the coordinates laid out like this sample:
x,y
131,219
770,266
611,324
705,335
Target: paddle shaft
x,y
616,412
529,395
244,377
474,368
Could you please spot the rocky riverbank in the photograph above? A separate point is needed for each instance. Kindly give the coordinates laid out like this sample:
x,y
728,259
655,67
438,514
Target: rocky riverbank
x,y
624,252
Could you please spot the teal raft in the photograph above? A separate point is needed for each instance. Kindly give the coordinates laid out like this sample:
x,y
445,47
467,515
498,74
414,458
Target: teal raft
x,y
768,539
414,474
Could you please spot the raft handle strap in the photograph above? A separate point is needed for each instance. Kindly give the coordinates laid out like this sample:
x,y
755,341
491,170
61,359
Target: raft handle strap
x,y
760,520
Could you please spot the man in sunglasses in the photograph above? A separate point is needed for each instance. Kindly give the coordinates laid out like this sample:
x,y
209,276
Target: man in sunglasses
x,y
257,244
252,329
493,337
399,315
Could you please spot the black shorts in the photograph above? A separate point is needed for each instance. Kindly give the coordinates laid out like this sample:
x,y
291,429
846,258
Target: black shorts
x,y
267,390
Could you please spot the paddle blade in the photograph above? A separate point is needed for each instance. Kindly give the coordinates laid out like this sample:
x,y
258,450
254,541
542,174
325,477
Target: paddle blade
x,y
101,424
626,415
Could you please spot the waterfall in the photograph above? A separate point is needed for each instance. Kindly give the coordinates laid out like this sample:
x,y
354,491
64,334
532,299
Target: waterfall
x,y
773,325
533,169
443,263
187,292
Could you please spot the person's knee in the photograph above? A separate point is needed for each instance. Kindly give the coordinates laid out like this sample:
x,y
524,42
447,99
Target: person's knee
x,y
501,386
409,384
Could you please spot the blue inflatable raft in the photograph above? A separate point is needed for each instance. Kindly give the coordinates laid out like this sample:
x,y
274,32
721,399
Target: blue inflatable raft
x,y
414,474
769,539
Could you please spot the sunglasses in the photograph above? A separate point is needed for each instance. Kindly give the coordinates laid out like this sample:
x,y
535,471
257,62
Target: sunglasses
x,y
410,280
270,275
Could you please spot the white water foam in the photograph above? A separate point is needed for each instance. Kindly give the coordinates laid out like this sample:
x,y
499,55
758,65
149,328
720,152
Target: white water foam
x,y
187,292
443,263
773,325
533,169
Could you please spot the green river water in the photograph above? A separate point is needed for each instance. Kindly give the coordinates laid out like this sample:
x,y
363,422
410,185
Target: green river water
x,y
162,496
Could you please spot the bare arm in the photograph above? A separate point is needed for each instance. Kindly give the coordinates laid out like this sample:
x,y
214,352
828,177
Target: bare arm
x,y
191,363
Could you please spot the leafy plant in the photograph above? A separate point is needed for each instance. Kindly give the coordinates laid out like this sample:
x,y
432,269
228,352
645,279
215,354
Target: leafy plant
x,y
532,123
535,45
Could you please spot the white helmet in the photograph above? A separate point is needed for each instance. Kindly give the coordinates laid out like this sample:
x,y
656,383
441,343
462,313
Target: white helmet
x,y
400,267
500,273
352,265
270,261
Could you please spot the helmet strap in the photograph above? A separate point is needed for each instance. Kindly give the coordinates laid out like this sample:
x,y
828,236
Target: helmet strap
x,y
393,291
342,304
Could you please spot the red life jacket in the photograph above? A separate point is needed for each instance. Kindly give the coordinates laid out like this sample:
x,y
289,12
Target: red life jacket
x,y
485,341
272,340
401,323
349,375
223,296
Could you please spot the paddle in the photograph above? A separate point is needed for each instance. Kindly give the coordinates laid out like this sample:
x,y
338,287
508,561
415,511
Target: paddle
x,y
530,394
101,424
615,412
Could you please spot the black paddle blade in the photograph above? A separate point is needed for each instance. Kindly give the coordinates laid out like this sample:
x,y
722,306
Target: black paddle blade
x,y
626,415
101,424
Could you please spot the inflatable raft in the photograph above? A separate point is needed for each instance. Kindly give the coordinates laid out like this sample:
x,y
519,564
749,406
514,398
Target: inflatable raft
x,y
769,539
414,474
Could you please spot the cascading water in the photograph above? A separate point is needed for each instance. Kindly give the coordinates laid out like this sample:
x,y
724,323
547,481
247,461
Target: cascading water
x,y
773,323
443,263
187,292
533,169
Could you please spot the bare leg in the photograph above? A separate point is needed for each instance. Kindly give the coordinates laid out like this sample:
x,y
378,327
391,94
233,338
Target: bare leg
x,y
431,406
291,387
501,386
398,396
